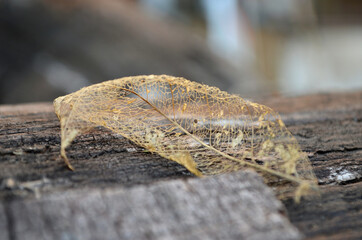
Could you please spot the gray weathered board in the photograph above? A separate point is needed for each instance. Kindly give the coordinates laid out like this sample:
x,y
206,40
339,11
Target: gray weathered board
x,y
116,182
235,206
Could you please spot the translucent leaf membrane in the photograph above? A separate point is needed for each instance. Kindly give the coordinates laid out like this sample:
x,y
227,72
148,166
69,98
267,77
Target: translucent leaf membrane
x,y
203,128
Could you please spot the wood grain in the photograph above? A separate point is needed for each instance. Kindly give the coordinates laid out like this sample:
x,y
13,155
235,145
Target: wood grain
x,y
223,207
328,127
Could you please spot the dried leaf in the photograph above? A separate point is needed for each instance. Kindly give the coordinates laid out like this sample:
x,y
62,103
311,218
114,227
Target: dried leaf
x,y
203,128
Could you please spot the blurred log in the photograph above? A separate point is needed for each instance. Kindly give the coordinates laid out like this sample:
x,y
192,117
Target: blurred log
x,y
57,47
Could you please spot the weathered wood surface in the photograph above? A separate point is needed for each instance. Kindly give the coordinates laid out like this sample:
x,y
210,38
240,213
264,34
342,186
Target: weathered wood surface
x,y
44,200
328,127
223,207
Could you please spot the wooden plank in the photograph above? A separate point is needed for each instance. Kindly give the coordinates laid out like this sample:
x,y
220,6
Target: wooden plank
x,y
328,127
30,145
4,234
234,206
337,214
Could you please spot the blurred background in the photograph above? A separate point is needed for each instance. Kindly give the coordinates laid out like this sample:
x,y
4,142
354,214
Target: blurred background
x,y
254,48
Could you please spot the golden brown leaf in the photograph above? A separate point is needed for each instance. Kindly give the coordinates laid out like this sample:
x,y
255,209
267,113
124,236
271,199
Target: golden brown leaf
x,y
203,128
